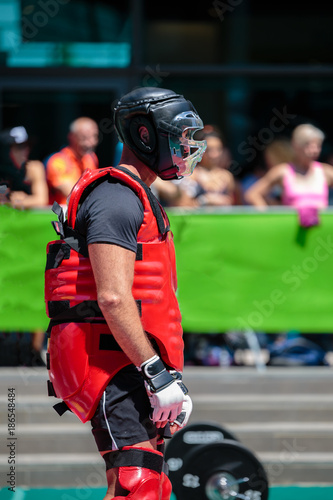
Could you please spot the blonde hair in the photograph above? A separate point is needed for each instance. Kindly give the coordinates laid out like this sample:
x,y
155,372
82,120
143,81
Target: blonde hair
x,y
305,132
278,151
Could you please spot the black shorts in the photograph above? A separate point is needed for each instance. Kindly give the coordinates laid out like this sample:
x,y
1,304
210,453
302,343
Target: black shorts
x,y
122,415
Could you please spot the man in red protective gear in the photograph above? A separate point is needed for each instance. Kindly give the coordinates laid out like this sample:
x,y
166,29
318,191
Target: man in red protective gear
x,y
115,348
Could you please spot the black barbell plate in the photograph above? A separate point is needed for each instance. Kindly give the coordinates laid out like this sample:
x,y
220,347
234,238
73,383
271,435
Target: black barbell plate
x,y
186,439
229,460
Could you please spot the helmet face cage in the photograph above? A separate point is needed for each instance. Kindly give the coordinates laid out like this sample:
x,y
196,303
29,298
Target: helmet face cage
x,y
185,151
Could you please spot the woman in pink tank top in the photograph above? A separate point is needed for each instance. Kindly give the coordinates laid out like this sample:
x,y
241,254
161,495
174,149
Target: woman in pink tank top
x,y
304,182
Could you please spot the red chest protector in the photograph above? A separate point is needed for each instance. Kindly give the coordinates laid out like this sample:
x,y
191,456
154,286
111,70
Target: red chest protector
x,y
83,355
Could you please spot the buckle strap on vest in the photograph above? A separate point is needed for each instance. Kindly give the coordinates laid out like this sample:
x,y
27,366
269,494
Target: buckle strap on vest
x,y
73,238
61,312
61,408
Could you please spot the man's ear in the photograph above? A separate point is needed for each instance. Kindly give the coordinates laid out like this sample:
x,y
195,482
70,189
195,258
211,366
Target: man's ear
x,y
144,134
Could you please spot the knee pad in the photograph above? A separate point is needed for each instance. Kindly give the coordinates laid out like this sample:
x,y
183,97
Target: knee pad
x,y
166,487
140,472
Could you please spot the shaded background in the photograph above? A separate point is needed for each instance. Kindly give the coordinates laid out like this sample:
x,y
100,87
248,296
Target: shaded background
x,y
238,61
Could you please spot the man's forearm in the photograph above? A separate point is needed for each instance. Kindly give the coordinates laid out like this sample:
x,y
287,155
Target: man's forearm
x,y
255,199
124,322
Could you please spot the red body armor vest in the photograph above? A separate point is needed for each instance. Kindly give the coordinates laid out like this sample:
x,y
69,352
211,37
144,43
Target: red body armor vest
x,y
83,355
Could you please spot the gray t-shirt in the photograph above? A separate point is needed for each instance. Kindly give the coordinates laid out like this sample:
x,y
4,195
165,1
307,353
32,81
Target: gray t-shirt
x,y
111,213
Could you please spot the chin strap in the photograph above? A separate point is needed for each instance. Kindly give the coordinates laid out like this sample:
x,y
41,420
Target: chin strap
x,y
142,472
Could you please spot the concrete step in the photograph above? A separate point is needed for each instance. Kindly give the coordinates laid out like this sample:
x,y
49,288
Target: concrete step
x,y
88,470
270,381
221,409
229,380
292,467
261,408
300,437
218,407
46,438
62,470
282,415
35,409
261,437
24,379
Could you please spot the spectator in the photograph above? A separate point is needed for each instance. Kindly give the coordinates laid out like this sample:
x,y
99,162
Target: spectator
x,y
276,152
22,348
304,181
168,193
22,185
22,181
65,167
211,184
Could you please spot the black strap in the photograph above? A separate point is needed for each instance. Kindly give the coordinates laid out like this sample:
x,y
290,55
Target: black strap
x,y
58,308
170,129
57,253
134,458
139,253
56,208
48,365
73,238
61,312
61,408
107,342
155,206
50,389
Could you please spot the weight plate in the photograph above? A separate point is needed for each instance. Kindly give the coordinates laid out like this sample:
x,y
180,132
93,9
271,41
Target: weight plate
x,y
186,439
222,471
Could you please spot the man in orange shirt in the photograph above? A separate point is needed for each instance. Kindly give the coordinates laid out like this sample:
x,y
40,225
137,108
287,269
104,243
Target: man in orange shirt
x,y
64,168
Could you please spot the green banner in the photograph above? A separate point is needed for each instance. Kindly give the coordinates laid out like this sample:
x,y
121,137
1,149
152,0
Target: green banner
x,y
236,270
23,239
252,270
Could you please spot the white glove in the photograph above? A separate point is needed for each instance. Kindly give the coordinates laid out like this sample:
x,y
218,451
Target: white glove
x,y
187,406
167,403
164,392
183,418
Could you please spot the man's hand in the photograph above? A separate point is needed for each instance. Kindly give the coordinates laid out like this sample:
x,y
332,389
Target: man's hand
x,y
187,406
4,194
17,199
165,393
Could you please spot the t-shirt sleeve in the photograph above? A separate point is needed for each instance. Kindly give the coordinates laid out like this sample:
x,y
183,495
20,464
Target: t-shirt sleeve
x,y
111,213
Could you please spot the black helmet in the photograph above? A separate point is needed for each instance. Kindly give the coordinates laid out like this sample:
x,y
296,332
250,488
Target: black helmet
x,y
171,121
